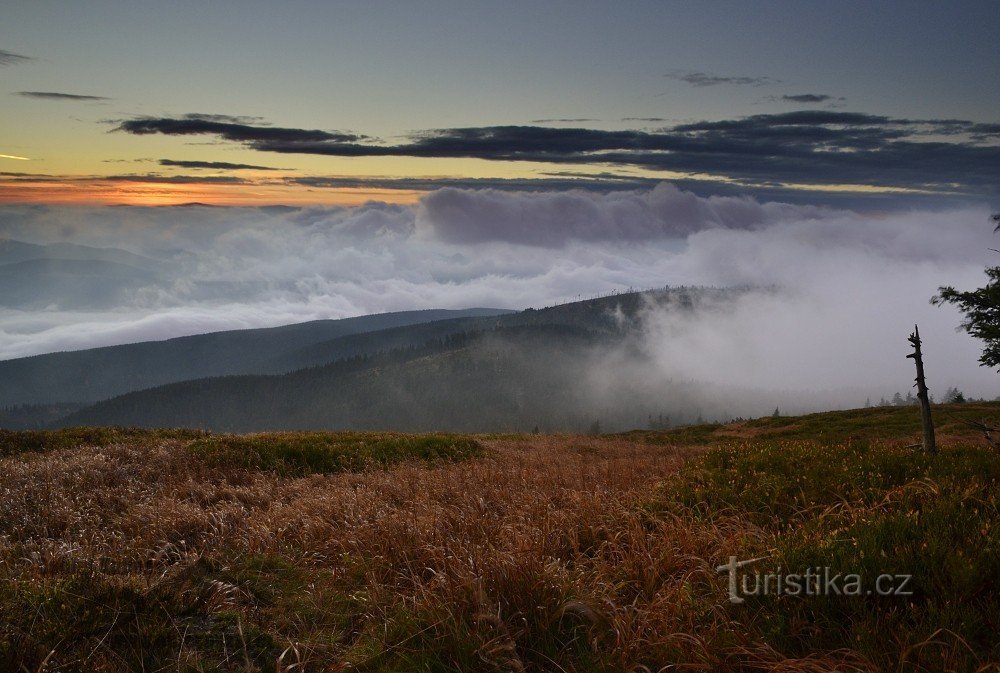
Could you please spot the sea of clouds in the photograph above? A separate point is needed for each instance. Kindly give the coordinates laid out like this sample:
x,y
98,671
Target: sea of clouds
x,y
843,289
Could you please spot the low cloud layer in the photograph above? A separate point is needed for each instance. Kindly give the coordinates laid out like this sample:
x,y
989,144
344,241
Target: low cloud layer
x,y
553,219
840,290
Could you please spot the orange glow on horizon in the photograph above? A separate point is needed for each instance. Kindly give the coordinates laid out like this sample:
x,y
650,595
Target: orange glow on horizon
x,y
98,192
28,188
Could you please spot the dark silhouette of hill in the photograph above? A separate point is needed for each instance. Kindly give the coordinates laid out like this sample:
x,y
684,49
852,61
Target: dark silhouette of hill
x,y
466,381
559,368
90,375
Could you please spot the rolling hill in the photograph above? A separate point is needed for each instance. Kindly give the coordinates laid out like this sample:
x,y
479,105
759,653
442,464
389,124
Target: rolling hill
x,y
99,373
559,368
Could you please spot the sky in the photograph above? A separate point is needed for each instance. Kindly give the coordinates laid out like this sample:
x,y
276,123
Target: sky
x,y
338,103
229,165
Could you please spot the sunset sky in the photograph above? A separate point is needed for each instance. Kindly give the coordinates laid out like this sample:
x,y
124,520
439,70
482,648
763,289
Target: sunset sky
x,y
845,103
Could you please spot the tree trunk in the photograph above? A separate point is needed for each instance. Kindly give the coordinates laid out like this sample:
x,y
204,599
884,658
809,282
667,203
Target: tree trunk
x,y
925,405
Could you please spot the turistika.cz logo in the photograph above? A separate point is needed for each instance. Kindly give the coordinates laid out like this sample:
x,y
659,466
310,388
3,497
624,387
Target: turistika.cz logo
x,y
819,581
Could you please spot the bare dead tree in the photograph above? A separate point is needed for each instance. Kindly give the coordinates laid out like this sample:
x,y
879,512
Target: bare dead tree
x,y
929,445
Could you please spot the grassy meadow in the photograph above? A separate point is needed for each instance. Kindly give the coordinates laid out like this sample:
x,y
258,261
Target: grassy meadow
x,y
174,550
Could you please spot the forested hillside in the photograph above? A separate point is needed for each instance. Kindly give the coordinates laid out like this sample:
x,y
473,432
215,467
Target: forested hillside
x,y
99,373
572,367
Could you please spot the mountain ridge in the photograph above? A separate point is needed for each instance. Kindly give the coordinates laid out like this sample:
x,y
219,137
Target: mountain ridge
x,y
561,368
90,375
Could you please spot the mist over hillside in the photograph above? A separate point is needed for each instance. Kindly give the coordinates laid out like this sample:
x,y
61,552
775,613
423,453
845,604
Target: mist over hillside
x,y
575,367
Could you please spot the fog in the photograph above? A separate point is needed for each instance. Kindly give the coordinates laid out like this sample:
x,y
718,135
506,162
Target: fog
x,y
840,290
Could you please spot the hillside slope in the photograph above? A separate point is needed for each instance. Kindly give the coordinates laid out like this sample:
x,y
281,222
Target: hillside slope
x,y
560,368
99,373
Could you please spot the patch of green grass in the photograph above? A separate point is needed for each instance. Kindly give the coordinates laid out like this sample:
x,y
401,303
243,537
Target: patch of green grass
x,y
776,481
867,508
875,422
687,435
13,442
299,453
832,426
124,625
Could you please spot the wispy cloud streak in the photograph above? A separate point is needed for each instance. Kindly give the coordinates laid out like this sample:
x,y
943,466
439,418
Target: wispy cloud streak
x,y
54,95
704,79
215,165
10,58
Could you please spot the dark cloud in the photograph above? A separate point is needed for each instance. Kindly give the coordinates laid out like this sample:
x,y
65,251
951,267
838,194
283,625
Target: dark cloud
x,y
17,174
10,58
195,124
53,95
130,177
703,79
554,181
644,119
801,118
216,165
563,121
818,147
227,119
178,179
809,98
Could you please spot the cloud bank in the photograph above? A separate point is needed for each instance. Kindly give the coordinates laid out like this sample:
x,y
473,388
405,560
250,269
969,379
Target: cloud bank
x,y
553,219
840,290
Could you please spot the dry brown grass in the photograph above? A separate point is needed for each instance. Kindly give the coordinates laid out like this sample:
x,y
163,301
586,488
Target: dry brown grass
x,y
538,556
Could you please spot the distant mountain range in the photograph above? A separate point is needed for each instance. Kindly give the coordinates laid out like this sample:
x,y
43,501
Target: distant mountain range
x,y
68,276
12,252
564,367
